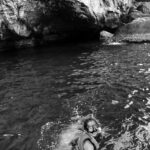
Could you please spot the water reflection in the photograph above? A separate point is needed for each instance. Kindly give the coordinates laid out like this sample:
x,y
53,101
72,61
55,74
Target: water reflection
x,y
43,90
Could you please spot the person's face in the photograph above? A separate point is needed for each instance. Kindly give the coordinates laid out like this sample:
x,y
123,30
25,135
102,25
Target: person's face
x,y
92,128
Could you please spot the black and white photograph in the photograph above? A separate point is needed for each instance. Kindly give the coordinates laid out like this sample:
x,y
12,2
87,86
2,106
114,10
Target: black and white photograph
x,y
74,74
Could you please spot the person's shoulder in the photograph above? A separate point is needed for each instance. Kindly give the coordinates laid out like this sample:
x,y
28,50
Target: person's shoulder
x,y
88,145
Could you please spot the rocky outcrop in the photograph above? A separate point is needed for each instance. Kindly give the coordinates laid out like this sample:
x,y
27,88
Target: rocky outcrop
x,y
136,31
139,10
59,19
144,7
136,28
105,36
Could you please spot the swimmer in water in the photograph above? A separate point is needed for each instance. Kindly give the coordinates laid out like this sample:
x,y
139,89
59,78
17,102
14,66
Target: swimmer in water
x,y
88,138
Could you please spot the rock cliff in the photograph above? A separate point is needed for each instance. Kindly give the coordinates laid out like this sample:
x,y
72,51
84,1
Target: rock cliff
x,y
59,19
138,30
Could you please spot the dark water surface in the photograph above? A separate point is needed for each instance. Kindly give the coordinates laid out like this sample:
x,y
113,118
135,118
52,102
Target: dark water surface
x,y
42,89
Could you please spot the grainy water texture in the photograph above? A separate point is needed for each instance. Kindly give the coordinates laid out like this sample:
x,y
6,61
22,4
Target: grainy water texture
x,y
43,89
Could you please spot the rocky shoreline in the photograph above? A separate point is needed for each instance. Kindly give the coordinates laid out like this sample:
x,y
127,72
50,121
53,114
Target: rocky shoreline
x,y
36,22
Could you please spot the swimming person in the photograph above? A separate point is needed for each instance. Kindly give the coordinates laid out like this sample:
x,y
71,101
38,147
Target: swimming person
x,y
84,134
88,139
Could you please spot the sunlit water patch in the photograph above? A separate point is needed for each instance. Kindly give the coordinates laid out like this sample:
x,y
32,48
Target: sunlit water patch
x,y
116,43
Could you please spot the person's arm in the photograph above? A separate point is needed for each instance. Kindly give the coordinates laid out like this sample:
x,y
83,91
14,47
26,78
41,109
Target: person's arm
x,y
88,145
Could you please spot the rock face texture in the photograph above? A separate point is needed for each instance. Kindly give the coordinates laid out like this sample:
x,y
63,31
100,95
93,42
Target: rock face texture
x,y
136,31
59,19
144,7
105,36
138,28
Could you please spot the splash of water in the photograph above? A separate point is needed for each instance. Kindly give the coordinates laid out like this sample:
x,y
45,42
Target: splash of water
x,y
62,140
130,137
68,135
47,140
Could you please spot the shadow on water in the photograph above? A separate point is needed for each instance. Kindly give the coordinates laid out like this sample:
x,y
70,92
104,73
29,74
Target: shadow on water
x,y
41,90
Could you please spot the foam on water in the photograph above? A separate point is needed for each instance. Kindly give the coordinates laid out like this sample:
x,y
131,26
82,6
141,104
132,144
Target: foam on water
x,y
68,135
59,141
